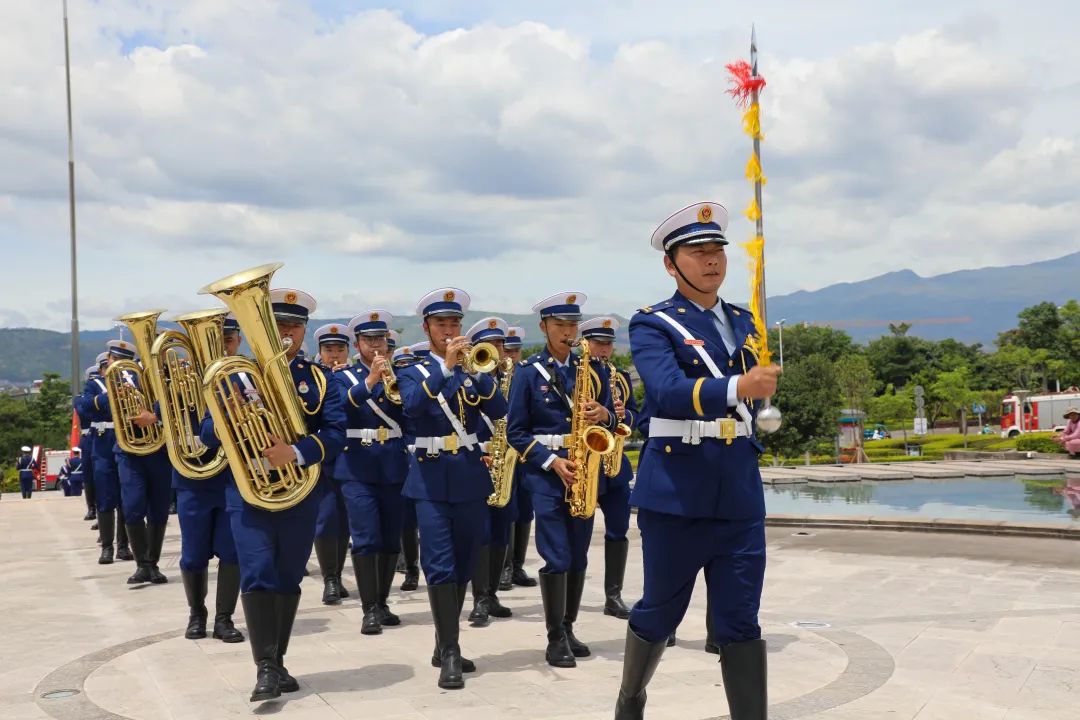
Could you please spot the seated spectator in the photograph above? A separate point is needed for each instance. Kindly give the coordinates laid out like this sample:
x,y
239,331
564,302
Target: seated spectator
x,y
1070,437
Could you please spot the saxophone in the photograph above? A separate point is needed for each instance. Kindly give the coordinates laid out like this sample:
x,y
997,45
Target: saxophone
x,y
619,390
503,457
588,443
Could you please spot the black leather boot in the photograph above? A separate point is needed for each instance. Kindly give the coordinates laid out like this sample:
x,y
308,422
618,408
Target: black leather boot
x,y
575,585
553,593
106,530
260,614
671,640
326,549
123,552
745,671
286,614
445,610
342,556
710,644
614,570
387,564
496,557
467,665
506,576
228,589
155,539
136,533
479,615
639,664
365,567
410,548
195,590
522,532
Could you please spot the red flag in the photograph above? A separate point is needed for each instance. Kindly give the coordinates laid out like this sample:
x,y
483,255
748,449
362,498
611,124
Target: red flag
x,y
73,441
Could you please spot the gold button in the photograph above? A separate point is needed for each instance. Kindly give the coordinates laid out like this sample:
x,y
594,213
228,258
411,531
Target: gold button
x,y
667,448
734,312
420,459
695,361
569,420
681,310
731,363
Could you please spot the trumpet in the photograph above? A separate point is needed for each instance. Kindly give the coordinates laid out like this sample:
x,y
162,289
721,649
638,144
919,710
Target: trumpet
x,y
480,358
389,381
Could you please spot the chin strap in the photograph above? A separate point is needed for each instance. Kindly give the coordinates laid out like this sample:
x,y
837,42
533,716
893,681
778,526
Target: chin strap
x,y
671,256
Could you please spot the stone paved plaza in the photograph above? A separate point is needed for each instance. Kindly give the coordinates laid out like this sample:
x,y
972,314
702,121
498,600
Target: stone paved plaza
x,y
915,625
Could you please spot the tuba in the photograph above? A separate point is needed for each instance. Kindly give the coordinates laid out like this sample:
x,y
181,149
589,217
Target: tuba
x,y
588,443
177,361
130,390
619,390
504,458
245,424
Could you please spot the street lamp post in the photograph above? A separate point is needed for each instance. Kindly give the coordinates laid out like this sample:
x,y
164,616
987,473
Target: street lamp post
x,y
75,373
780,330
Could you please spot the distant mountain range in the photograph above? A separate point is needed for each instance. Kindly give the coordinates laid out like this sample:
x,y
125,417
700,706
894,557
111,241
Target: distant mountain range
x,y
968,305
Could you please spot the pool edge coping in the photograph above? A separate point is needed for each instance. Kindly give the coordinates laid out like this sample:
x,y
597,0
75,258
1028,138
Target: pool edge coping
x,y
913,524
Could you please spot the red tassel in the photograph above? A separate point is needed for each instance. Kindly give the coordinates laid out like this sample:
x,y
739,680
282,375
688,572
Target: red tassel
x,y
743,84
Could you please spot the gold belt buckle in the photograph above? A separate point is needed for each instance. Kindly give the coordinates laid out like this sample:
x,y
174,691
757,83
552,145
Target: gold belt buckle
x,y
450,443
727,429
382,435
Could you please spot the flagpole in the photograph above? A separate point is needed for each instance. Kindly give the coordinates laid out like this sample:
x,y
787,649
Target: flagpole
x,y
75,370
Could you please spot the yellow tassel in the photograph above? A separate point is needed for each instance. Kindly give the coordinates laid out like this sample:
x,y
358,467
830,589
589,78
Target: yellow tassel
x,y
753,211
753,170
752,122
759,345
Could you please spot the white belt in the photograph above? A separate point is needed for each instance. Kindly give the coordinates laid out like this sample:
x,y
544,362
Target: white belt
x,y
552,442
448,443
692,431
85,431
368,436
102,426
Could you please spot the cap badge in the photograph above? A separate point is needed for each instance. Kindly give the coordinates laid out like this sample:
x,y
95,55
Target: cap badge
x,y
492,324
122,345
334,329
705,214
449,296
512,333
290,297
607,323
571,299
373,317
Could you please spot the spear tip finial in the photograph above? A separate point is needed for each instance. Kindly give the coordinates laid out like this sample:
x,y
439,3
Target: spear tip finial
x,y
753,48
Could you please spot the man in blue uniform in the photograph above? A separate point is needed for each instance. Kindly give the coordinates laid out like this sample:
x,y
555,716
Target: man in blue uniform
x,y
521,501
205,532
450,483
541,406
372,468
614,491
273,547
26,465
489,559
332,525
106,476
698,490
72,473
86,447
410,533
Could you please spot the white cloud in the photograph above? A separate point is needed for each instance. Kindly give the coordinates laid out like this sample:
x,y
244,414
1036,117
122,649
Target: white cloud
x,y
509,155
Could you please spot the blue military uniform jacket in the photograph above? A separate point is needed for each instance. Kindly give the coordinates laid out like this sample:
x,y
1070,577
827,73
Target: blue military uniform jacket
x,y
538,407
713,479
447,477
74,466
25,465
323,408
358,460
95,402
630,419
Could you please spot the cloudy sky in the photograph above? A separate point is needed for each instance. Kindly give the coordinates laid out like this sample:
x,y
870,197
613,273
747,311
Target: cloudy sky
x,y
519,148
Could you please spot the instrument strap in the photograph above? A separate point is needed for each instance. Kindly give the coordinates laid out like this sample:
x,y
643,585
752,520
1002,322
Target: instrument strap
x,y
487,421
101,385
454,422
556,386
387,420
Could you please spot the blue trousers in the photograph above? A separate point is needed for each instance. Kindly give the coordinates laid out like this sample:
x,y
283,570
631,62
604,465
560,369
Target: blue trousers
x,y
450,534
106,476
497,527
273,547
408,515
522,501
561,540
615,504
674,549
333,520
205,530
145,486
376,511
26,484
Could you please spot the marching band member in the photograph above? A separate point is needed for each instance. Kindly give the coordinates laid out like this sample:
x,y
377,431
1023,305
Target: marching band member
x,y
372,469
540,417
205,532
614,491
410,534
106,477
86,446
521,501
332,526
273,547
26,465
450,483
698,490
492,553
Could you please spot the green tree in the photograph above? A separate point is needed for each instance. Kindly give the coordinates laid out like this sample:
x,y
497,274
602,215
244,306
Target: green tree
x,y
897,358
801,341
1040,326
892,408
952,389
809,397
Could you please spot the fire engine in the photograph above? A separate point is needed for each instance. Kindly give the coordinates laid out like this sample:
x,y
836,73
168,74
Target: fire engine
x,y
49,464
1038,413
